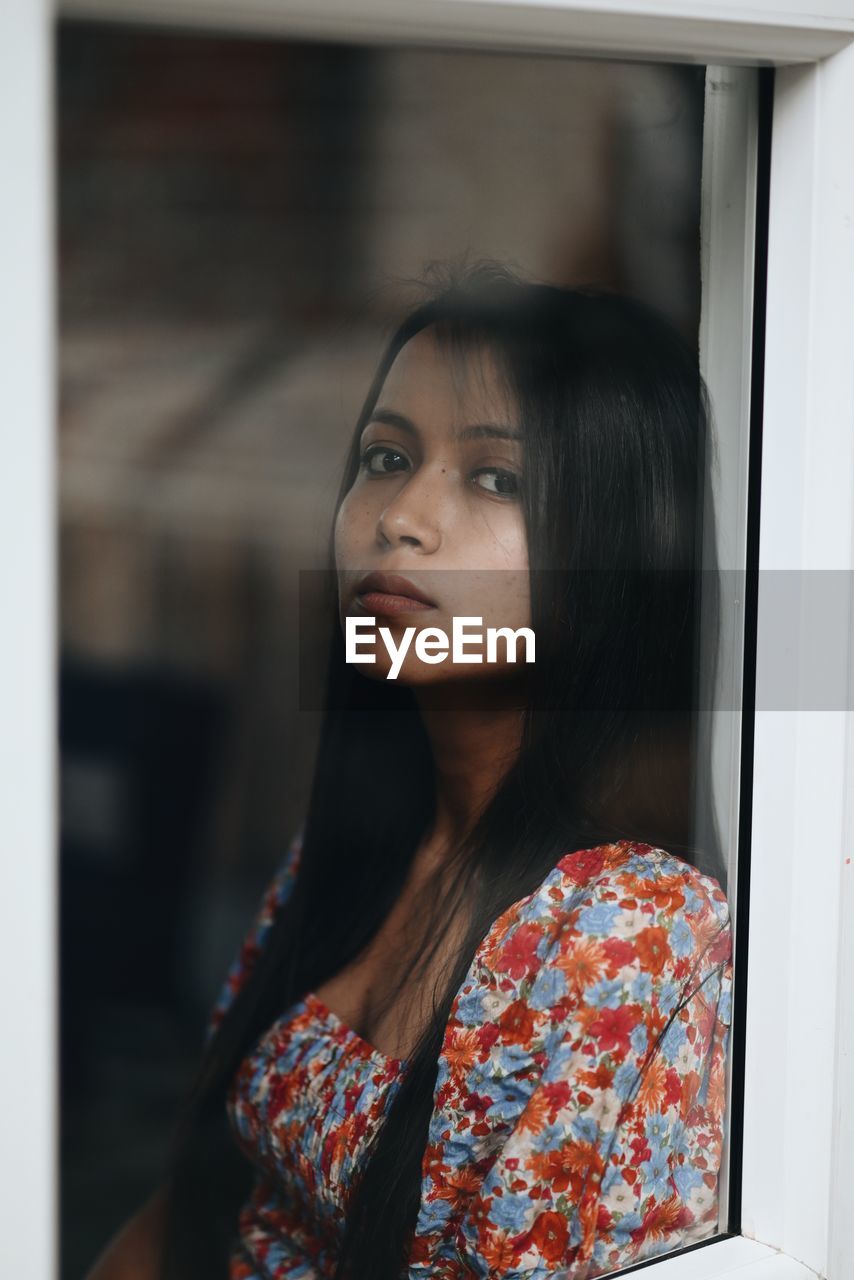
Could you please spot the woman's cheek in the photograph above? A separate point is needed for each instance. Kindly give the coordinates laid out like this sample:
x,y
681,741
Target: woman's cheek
x,y
347,530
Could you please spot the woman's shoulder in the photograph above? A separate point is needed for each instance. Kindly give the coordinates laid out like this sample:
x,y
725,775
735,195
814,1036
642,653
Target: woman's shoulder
x,y
275,894
282,882
630,902
591,1034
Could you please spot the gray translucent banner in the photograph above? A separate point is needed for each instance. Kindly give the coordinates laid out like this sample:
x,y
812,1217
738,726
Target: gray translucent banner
x,y
648,640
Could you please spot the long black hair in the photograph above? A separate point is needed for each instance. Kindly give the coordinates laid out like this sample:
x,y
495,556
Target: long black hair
x,y
616,426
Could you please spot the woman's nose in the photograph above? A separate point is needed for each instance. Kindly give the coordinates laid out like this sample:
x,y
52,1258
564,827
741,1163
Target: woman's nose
x,y
414,514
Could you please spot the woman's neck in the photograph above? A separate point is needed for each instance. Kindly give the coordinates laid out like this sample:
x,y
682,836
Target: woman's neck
x,y
475,730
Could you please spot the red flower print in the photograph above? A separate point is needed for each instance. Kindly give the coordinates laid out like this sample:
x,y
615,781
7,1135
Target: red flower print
x,y
517,1022
518,956
281,1095
557,1092
566,1166
663,1217
583,963
420,1251
613,1027
620,952
549,1235
650,1094
667,892
432,1164
705,1022
582,867
604,1220
653,948
541,1107
489,1035
601,1078
672,1087
479,1214
499,1252
721,948
641,1150
478,1102
462,1049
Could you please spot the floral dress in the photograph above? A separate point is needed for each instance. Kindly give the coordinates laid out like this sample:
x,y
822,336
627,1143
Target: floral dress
x,y
579,1103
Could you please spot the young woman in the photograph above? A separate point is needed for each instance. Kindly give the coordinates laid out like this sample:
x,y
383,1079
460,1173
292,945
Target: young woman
x,y
479,1026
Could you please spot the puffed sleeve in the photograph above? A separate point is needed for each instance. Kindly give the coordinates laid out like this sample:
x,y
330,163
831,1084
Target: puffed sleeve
x,y
274,896
580,1103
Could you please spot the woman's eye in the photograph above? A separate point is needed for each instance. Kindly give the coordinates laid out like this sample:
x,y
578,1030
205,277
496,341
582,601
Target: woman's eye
x,y
507,482
383,452
382,460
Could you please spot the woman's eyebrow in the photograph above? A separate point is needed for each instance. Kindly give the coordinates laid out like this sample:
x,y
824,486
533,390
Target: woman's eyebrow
x,y
476,431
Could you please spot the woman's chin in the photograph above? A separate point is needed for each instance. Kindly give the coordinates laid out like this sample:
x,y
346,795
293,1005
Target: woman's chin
x,y
455,685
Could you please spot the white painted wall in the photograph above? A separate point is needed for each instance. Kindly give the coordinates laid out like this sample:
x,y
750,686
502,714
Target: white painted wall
x,y
28,933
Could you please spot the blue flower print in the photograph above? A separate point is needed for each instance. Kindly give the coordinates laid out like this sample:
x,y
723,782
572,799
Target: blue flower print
x,y
725,1006
642,987
503,1108
703,1093
470,1009
639,1039
681,938
599,918
625,1079
548,988
686,1178
668,996
639,864
673,1039
692,902
655,1128
678,1138
436,1213
657,1247
259,1075
656,1175
457,1151
623,1228
606,994
712,987
585,1129
443,1074
510,1212
511,1059
549,1137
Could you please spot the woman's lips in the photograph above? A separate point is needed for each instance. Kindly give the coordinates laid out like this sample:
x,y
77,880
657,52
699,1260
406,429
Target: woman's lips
x,y
381,602
390,593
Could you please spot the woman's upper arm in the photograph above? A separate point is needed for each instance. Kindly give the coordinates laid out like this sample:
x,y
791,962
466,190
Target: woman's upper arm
x,y
134,1251
596,1114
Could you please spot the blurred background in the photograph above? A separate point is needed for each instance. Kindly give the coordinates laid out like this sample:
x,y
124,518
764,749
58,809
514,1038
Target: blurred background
x,y
239,224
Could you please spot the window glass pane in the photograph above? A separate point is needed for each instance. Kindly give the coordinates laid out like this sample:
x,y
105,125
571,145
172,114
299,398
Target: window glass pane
x,y
260,836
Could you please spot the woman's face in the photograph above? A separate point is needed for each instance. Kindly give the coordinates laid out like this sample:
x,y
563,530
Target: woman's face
x,y
436,500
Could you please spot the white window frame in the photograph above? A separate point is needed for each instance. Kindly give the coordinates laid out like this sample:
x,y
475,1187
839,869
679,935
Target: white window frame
x,y
797,1166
